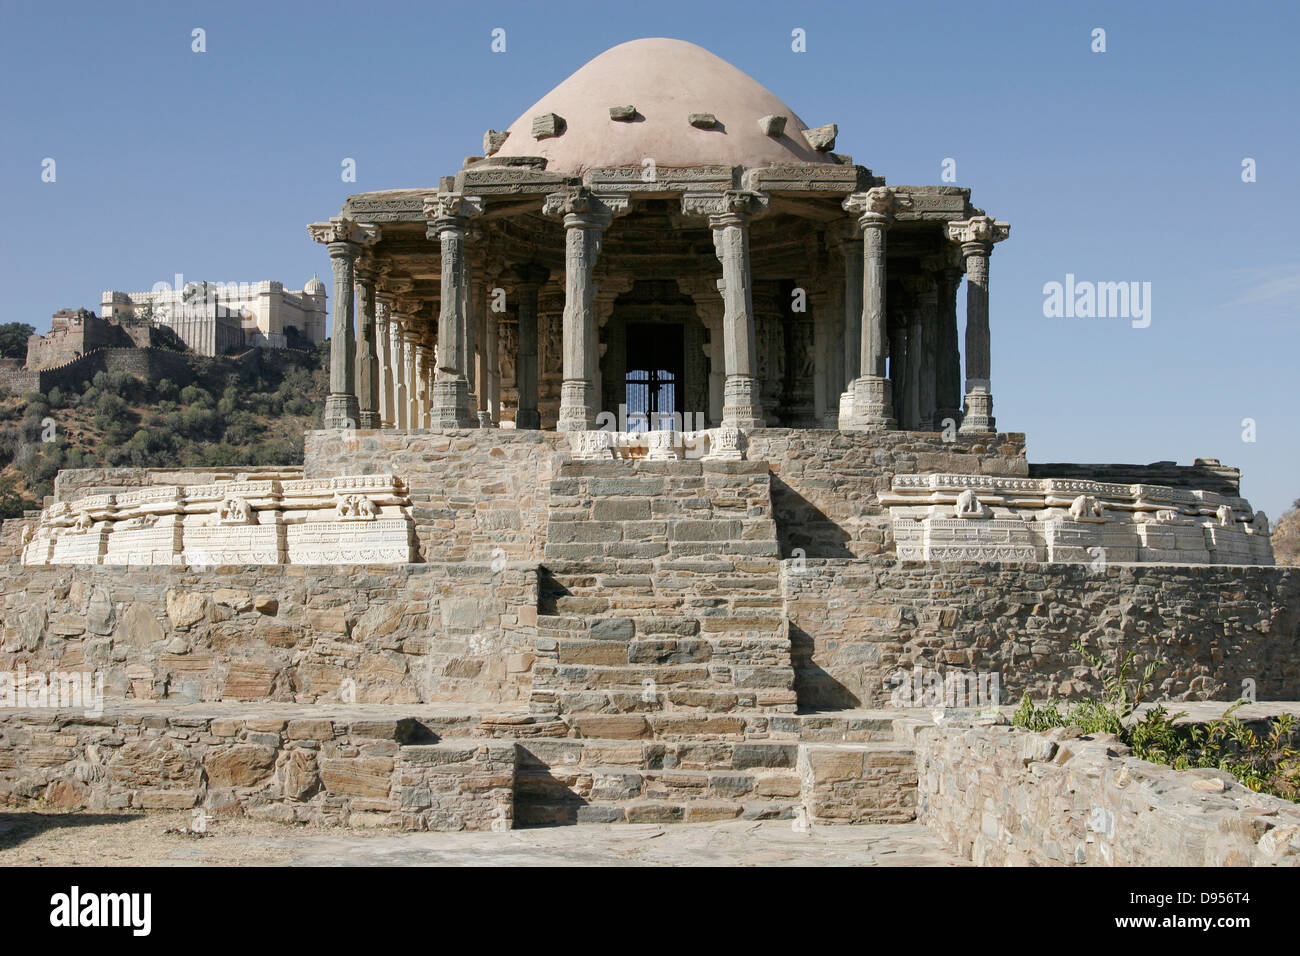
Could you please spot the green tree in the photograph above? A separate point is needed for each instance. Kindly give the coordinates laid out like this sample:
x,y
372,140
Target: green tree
x,y
13,339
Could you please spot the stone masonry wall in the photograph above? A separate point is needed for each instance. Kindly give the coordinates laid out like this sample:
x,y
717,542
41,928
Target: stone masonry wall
x,y
17,380
402,634
1006,796
826,484
478,495
854,624
309,766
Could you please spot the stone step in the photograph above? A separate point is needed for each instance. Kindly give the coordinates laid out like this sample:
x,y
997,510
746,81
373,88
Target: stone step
x,y
857,726
854,783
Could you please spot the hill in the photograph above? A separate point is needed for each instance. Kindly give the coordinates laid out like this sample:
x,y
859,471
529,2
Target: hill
x,y
251,410
1286,536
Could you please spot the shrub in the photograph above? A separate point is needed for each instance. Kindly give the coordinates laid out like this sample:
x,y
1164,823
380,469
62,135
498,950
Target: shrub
x,y
1270,763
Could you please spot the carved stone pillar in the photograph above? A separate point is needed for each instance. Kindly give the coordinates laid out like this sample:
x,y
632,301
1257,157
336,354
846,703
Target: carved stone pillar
x,y
413,383
851,246
710,309
741,403
475,328
948,354
872,403
528,279
422,363
897,365
383,306
344,239
451,402
397,362
827,352
367,356
585,219
977,236
913,417
491,385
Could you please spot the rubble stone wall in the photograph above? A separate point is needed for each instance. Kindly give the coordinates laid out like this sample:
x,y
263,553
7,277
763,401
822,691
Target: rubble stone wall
x,y
856,624
826,485
1006,796
313,768
405,634
476,495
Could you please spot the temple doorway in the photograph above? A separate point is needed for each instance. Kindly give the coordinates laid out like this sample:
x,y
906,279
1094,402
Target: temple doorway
x,y
653,382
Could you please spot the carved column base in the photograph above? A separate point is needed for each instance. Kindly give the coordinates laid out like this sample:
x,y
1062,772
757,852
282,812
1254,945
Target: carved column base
x,y
741,407
528,418
369,420
943,414
871,407
979,412
341,411
577,406
451,405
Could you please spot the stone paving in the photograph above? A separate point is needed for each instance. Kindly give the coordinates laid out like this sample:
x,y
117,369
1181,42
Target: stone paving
x,y
128,839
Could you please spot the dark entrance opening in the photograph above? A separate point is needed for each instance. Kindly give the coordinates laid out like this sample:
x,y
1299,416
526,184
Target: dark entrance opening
x,y
654,375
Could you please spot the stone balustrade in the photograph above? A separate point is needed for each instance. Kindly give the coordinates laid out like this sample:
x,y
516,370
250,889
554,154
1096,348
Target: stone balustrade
x,y
946,517
363,519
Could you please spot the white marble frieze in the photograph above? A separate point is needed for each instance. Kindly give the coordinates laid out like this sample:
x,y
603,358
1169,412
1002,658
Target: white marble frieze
x,y
941,517
361,519
713,444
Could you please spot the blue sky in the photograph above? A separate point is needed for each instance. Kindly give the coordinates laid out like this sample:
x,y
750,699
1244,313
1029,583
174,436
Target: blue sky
x,y
1115,166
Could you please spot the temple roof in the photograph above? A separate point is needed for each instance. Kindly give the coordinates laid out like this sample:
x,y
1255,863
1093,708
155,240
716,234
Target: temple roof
x,y
666,81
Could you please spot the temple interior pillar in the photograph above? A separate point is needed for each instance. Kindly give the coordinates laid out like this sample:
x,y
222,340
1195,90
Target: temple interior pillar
x,y
367,355
450,407
383,304
528,281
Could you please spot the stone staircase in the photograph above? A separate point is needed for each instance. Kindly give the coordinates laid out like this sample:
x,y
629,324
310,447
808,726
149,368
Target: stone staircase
x,y
841,769
661,592
418,768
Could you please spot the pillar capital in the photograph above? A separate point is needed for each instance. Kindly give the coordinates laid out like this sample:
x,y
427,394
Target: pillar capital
x,y
445,211
876,207
731,207
343,237
978,234
582,208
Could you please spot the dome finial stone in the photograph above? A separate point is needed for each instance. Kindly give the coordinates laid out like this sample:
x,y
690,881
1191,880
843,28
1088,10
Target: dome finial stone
x,y
547,125
822,138
493,140
773,125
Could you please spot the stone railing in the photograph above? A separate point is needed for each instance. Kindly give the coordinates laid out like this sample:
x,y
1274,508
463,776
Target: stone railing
x,y
943,517
261,520
714,444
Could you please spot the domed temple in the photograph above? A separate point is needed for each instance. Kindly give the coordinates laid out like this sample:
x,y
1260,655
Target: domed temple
x,y
655,486
660,233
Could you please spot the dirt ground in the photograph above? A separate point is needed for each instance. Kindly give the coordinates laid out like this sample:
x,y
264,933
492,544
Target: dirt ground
x,y
159,838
